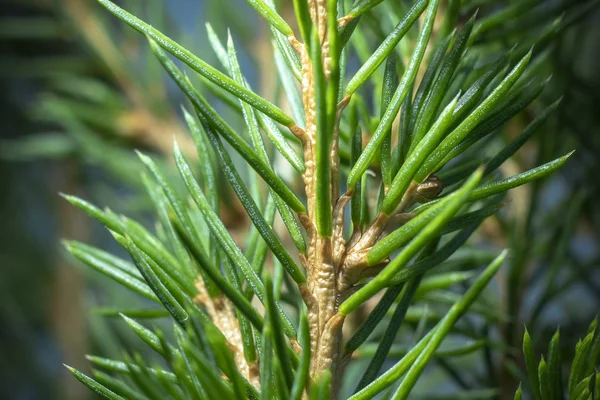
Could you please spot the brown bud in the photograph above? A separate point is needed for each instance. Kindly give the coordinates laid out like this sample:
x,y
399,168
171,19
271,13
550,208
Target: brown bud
x,y
429,189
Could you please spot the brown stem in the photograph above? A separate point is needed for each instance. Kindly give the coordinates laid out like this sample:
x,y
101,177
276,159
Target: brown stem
x,y
321,292
221,312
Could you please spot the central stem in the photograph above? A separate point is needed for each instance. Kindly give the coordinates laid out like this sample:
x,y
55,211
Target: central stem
x,y
322,295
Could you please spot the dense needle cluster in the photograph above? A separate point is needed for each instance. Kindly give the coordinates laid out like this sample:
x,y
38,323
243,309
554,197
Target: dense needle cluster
x,y
267,319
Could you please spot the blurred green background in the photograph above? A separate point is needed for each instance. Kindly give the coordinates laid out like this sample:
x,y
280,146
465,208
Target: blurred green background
x,y
78,92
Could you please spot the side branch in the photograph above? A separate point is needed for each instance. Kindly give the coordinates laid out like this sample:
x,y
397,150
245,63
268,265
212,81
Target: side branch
x,y
221,312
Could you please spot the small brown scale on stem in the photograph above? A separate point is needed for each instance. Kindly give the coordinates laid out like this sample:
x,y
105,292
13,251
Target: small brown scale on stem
x,y
370,236
343,21
339,244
